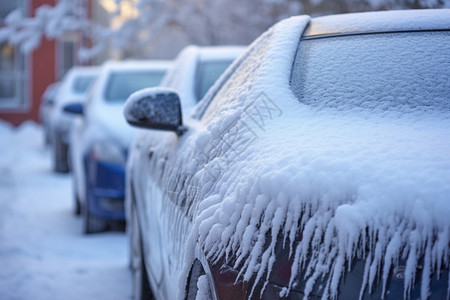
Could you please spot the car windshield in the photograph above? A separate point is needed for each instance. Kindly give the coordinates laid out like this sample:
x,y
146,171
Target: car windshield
x,y
402,72
208,73
122,84
81,83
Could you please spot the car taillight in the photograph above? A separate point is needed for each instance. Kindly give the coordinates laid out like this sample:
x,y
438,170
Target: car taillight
x,y
282,269
228,285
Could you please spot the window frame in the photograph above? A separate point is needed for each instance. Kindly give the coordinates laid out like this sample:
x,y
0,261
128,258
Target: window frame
x,y
19,75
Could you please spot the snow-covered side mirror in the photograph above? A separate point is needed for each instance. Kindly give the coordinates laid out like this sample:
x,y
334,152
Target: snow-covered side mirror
x,y
74,108
155,108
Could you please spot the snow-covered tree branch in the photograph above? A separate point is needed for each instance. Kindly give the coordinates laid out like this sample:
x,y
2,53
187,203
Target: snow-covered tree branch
x,y
203,22
68,16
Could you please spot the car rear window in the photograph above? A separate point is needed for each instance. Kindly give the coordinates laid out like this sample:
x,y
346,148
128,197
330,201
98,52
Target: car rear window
x,y
405,72
81,83
208,73
122,84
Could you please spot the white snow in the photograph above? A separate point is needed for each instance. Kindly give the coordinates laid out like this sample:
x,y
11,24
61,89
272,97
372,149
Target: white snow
x,y
203,288
384,21
43,253
67,17
374,187
135,110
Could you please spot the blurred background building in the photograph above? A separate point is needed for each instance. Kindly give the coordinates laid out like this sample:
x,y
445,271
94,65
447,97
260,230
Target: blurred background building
x,y
24,77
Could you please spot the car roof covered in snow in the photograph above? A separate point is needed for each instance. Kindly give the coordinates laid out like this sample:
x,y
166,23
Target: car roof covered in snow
x,y
217,53
372,22
136,64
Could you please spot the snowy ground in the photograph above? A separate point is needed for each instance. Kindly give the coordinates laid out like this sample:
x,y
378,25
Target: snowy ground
x,y
43,254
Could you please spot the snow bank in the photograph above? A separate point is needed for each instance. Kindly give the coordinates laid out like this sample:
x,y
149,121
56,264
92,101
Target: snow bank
x,y
43,254
362,186
15,142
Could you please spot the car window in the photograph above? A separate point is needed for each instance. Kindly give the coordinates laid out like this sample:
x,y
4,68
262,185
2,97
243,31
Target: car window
x,y
235,80
208,73
81,83
122,84
402,72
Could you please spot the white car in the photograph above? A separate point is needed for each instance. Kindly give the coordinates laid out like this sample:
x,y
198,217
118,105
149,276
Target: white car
x,y
317,167
100,140
196,69
72,88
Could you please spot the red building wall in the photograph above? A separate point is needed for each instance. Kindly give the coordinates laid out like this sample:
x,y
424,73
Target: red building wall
x,y
41,71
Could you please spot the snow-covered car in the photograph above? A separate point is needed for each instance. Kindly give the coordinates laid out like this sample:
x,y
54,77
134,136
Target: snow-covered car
x,y
317,167
72,88
45,109
100,140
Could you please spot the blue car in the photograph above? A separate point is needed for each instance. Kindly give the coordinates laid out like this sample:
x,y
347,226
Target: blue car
x,y
100,139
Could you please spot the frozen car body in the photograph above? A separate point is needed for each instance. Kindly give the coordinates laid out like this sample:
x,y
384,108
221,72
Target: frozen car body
x,y
268,193
101,138
73,88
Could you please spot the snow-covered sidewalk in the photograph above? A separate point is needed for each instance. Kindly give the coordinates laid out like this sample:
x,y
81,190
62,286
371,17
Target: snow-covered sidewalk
x,y
43,253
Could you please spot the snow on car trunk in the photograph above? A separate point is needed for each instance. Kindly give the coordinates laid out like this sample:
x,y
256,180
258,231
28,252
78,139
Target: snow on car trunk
x,y
374,187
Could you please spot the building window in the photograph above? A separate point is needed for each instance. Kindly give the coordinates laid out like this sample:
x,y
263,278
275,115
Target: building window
x,y
12,77
7,6
67,57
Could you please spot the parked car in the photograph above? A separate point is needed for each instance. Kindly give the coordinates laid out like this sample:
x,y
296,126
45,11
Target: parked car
x,y
317,167
73,88
196,69
46,107
100,140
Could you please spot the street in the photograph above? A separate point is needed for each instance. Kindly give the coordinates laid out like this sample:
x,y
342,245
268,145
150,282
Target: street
x,y
43,253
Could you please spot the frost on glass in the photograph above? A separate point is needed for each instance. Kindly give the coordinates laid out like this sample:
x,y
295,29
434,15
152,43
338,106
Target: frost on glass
x,y
378,73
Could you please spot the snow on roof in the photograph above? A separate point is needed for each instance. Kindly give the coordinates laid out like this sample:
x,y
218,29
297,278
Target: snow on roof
x,y
136,64
83,70
426,19
219,52
353,181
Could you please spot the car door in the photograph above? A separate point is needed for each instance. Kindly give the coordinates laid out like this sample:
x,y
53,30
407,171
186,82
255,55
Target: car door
x,y
150,208
163,219
166,182
175,165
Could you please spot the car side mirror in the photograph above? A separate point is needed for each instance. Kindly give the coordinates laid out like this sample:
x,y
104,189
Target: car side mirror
x,y
74,108
155,108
